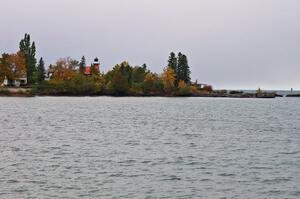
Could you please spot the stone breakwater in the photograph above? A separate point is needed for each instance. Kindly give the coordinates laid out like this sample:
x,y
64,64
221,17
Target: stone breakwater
x,y
239,95
294,95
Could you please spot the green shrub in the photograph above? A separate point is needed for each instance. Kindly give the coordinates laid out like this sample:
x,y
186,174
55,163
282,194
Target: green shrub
x,y
4,92
186,91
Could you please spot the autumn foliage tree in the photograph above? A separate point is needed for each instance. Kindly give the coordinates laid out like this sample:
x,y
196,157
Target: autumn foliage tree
x,y
12,66
5,70
184,89
152,84
17,62
64,69
168,78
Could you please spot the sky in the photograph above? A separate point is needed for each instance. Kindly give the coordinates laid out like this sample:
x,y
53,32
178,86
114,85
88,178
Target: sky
x,y
231,44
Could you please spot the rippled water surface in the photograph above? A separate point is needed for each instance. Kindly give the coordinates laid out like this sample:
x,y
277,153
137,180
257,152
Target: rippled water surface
x,y
102,147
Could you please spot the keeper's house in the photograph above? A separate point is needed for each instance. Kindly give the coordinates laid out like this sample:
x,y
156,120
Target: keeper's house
x,y
16,82
20,78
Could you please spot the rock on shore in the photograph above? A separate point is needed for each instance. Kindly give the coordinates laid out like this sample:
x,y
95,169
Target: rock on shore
x,y
15,92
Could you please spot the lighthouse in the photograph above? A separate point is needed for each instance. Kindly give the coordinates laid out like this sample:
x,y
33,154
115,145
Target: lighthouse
x,y
97,64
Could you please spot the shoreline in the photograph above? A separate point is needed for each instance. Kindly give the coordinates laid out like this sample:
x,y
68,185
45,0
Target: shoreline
x,y
27,92
293,95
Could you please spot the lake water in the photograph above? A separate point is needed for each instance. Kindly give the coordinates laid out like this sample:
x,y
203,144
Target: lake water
x,y
103,147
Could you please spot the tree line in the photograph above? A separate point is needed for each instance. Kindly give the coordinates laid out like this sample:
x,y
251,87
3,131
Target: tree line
x,y
122,79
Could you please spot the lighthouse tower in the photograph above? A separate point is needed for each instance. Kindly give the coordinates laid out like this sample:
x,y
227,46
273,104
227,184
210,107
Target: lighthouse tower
x,y
97,64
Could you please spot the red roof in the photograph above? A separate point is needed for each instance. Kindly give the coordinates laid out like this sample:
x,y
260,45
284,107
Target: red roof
x,y
87,70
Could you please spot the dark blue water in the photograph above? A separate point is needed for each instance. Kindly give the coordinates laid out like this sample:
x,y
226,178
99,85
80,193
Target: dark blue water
x,y
106,147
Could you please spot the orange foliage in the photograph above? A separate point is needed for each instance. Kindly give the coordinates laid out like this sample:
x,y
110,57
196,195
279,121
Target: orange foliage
x,y
13,65
63,70
168,77
194,89
181,84
208,88
18,60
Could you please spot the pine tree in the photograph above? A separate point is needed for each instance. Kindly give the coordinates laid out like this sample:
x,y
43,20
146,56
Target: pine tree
x,y
41,71
183,69
29,51
82,65
144,66
172,62
186,70
180,67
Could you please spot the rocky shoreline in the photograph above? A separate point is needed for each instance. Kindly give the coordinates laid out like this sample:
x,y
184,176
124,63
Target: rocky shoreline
x,y
27,92
15,92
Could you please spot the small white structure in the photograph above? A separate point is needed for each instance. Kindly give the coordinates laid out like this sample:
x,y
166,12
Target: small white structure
x,y
201,85
76,67
20,82
5,82
48,75
17,82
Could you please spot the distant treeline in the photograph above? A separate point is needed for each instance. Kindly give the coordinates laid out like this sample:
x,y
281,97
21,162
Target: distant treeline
x,y
122,79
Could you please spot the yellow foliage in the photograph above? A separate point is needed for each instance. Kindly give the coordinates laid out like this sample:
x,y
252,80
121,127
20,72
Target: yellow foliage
x,y
149,78
19,61
168,77
13,66
194,89
181,84
150,83
63,70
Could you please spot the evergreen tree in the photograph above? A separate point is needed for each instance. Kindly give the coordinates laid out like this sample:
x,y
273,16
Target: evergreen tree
x,y
82,65
144,66
186,70
138,74
29,50
172,62
179,67
40,71
120,79
183,69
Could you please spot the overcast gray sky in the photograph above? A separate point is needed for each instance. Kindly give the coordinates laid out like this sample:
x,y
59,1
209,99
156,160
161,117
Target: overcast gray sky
x,y
229,43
